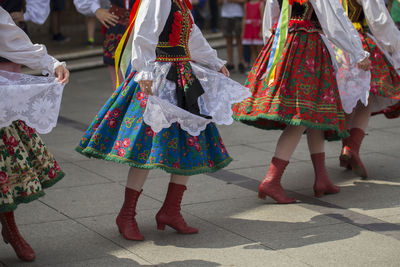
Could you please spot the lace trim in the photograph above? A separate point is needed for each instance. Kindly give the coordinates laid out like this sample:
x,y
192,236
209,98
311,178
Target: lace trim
x,y
220,93
35,100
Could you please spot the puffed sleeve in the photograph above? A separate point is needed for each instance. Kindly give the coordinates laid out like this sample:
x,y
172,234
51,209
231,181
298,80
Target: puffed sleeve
x,y
382,27
338,28
16,46
201,51
271,17
149,24
87,7
37,11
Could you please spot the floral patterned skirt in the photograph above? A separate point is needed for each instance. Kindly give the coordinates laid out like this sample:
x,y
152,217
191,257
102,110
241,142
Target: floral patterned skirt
x,y
385,81
119,134
26,166
304,91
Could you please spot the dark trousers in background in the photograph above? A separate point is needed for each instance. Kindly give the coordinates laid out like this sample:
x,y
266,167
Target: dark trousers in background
x,y
213,4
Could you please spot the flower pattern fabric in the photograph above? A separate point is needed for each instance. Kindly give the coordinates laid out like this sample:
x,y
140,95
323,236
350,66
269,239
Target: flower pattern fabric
x,y
118,133
304,91
26,166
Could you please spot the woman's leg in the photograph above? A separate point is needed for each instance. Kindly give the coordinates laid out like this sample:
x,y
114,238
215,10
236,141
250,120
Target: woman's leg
x,y
91,28
349,156
126,218
322,184
12,235
170,212
271,185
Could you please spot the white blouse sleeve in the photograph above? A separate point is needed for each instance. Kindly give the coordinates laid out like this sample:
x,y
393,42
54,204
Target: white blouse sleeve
x,y
338,28
271,17
382,27
201,51
87,7
37,11
149,24
16,46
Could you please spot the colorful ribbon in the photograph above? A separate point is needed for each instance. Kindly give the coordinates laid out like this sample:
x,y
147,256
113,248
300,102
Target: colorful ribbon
x,y
122,42
279,40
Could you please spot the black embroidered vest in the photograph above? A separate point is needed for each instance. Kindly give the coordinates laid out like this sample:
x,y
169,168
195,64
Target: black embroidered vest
x,y
13,5
173,43
355,11
302,12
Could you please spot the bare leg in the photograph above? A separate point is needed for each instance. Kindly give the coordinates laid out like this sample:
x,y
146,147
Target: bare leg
x,y
288,141
114,76
91,28
315,139
229,48
179,179
239,49
361,116
136,178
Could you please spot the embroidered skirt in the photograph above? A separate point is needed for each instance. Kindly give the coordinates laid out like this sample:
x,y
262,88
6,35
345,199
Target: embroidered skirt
x,y
385,80
26,166
304,91
119,133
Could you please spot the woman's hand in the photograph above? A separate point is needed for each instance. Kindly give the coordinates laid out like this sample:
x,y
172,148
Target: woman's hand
x,y
365,64
106,18
62,74
145,86
17,17
225,71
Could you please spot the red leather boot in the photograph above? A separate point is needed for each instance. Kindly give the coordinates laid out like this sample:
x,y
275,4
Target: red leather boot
x,y
126,218
271,185
170,212
322,184
11,235
351,152
344,157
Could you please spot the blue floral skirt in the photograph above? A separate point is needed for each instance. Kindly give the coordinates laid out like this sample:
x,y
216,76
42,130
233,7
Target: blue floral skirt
x,y
119,134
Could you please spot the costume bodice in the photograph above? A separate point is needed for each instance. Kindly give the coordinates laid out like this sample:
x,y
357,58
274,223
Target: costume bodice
x,y
302,12
173,43
354,10
13,5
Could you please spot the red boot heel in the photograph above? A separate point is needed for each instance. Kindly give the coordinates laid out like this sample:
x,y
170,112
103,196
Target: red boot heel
x,y
322,185
271,185
170,212
161,226
12,236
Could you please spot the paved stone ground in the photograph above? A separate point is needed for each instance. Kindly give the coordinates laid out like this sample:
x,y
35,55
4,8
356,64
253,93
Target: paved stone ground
x,y
73,225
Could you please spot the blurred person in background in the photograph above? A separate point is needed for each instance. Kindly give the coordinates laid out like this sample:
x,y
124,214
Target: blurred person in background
x,y
214,11
232,15
21,11
252,33
57,9
116,20
199,12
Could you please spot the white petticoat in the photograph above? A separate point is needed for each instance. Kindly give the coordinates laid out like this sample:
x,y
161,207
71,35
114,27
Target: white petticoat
x,y
220,93
35,100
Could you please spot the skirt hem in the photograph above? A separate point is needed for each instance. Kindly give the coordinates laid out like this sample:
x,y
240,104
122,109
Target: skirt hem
x,y
250,120
90,152
27,199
